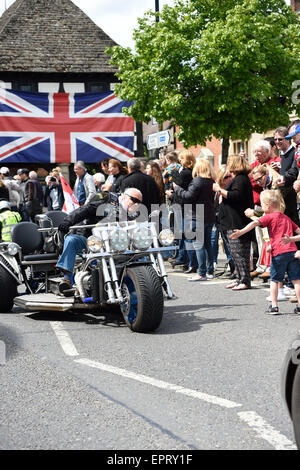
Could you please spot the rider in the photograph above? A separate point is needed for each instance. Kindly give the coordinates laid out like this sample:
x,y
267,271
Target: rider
x,y
8,219
113,208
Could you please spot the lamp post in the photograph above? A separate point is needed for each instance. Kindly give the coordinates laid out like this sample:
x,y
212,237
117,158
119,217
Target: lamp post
x,y
157,10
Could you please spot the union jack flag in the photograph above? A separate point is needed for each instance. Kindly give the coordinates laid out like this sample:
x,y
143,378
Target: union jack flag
x,y
63,127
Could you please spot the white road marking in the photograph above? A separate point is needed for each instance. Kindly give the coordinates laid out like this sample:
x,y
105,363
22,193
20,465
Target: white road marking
x,y
265,431
64,339
252,419
159,383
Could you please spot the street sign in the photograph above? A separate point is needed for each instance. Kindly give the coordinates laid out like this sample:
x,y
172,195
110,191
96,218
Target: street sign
x,y
159,139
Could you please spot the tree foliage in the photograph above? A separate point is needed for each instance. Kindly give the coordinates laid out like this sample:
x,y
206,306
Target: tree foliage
x,y
213,67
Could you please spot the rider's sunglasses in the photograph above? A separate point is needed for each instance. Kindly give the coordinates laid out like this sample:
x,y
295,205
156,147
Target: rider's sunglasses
x,y
134,199
279,139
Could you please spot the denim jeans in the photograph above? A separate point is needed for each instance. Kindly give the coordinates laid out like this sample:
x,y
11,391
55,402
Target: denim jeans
x,y
73,245
183,256
286,262
215,244
202,251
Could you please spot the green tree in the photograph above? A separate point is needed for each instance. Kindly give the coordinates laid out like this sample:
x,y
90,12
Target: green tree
x,y
213,67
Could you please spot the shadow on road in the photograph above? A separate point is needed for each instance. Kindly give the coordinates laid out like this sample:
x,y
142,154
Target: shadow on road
x,y
110,318
186,318
176,319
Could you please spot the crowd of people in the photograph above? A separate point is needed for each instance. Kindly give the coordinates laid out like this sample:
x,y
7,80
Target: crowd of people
x,y
229,199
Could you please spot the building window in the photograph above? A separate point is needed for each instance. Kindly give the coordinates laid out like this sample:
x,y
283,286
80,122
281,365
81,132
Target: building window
x,y
97,87
45,87
239,146
74,87
5,85
28,87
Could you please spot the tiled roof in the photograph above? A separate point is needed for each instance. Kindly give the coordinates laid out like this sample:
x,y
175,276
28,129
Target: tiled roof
x,y
51,36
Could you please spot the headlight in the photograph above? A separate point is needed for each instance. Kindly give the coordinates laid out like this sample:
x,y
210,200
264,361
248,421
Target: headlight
x,y
166,237
141,238
94,244
12,249
118,240
9,248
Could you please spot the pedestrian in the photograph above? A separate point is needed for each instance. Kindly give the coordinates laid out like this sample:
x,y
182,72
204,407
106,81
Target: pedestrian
x,y
4,192
30,204
172,168
56,172
187,160
224,177
198,195
283,247
144,183
84,188
14,189
236,198
53,196
104,167
153,169
264,155
99,180
265,177
116,174
288,173
294,135
8,219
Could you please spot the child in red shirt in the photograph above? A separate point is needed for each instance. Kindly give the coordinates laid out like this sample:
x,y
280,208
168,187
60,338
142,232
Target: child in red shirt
x,y
283,247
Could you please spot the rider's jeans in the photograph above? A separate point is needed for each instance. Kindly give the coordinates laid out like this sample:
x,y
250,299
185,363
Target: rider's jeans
x,y
73,245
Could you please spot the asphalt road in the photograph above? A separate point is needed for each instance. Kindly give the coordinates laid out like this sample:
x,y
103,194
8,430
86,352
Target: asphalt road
x,y
208,378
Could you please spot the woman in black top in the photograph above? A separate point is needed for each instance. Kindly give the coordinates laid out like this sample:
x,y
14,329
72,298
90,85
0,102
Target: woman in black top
x,y
182,178
199,214
116,174
236,198
153,169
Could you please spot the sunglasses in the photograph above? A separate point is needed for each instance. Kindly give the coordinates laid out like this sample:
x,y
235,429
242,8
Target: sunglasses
x,y
279,140
226,177
134,199
258,179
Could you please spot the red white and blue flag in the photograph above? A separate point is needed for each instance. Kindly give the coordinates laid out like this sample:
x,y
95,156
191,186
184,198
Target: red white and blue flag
x,y
71,202
63,127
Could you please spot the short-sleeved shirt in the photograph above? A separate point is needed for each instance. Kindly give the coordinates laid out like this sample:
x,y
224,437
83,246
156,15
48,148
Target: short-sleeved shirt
x,y
279,225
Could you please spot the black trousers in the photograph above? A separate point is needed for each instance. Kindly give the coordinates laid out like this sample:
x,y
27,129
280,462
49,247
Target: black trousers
x,y
240,253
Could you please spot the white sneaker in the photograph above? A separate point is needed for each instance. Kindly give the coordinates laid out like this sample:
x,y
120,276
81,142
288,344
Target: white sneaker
x,y
288,291
280,297
209,276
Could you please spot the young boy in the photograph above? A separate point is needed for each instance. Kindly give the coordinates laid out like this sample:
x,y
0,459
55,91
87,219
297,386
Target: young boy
x,y
283,248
